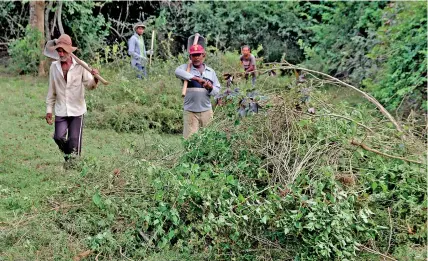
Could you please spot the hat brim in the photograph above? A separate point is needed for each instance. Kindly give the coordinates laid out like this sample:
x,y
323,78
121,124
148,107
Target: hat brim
x,y
67,48
139,25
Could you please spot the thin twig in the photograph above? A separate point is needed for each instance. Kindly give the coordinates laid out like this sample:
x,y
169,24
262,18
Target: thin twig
x,y
340,116
390,230
375,252
381,153
120,250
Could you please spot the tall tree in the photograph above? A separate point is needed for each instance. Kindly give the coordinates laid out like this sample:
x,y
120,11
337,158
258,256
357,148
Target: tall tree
x,y
37,22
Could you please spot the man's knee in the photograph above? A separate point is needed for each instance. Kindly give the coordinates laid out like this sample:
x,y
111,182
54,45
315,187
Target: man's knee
x,y
206,118
59,139
190,124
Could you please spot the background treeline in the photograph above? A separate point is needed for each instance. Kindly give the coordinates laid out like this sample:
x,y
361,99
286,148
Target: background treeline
x,y
380,46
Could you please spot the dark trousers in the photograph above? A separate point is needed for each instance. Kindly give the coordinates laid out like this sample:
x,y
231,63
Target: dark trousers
x,y
141,71
68,134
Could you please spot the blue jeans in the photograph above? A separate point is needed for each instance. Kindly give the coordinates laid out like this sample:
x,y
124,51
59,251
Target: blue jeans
x,y
141,71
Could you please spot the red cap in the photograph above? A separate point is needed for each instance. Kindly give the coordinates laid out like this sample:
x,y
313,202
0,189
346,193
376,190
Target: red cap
x,y
196,49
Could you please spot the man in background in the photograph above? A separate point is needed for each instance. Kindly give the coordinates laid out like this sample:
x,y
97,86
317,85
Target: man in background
x,y
137,50
203,84
248,61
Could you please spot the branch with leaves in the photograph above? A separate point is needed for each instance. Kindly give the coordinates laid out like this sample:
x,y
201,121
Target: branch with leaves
x,y
288,66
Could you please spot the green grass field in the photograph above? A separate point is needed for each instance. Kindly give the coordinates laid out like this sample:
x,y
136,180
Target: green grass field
x,y
32,173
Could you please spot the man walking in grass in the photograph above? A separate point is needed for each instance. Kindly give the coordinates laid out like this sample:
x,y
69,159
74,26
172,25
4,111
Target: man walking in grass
x,y
137,50
203,84
66,96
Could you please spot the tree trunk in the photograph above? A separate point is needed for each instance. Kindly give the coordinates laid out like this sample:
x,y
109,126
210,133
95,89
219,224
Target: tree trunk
x,y
37,22
61,29
47,11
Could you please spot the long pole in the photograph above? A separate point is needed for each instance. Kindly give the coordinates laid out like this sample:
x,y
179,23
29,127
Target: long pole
x,y
84,65
189,65
153,40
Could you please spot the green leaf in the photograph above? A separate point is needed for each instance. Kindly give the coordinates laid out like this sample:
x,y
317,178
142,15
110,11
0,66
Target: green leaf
x,y
96,198
264,219
241,198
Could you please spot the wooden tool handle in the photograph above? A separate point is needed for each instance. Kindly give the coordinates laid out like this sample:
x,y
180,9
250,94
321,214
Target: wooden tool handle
x,y
89,69
153,39
189,65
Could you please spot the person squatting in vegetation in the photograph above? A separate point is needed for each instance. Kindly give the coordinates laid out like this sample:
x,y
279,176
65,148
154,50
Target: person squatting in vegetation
x,y
137,50
203,83
66,95
248,61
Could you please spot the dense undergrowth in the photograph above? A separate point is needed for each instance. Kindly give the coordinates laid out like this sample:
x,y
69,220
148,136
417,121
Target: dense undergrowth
x,y
283,184
279,185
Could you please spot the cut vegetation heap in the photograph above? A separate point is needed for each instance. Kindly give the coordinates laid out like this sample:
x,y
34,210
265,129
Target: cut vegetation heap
x,y
282,184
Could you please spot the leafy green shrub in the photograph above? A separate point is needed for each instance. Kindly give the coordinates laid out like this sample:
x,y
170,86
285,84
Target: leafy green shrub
x,y
229,25
87,30
398,77
338,44
25,52
128,104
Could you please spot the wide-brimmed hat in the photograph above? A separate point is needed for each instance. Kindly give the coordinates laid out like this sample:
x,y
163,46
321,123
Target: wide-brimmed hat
x,y
196,48
64,42
139,24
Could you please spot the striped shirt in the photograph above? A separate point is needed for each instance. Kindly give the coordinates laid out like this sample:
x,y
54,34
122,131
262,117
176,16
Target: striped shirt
x,y
197,98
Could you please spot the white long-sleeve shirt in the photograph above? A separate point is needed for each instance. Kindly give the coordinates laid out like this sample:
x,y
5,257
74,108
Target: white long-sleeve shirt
x,y
68,98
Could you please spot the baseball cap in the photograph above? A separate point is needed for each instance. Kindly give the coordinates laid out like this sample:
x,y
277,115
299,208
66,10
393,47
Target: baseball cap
x,y
196,48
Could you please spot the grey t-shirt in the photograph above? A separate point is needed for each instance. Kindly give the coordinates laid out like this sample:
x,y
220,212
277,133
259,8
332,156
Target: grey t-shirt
x,y
247,62
197,98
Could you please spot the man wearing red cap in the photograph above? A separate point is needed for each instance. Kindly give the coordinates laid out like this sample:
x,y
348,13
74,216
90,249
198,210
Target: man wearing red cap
x,y
67,82
203,84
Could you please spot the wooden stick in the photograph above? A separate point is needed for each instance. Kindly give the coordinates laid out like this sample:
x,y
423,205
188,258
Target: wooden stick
x,y
153,39
381,153
189,65
84,65
375,252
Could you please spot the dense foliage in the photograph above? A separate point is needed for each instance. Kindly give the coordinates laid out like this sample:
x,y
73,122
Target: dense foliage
x,y
377,45
88,30
341,35
399,74
25,52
